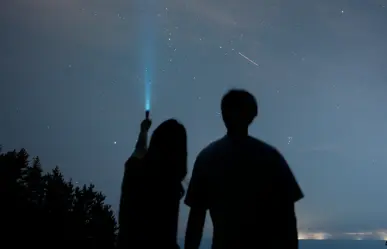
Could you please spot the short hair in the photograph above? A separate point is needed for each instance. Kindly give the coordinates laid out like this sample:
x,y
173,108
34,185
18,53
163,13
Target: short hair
x,y
239,108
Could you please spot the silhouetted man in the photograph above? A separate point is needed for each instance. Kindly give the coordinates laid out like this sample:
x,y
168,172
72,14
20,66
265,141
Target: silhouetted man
x,y
246,185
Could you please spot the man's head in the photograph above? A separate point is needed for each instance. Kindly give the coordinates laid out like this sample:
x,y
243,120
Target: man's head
x,y
239,108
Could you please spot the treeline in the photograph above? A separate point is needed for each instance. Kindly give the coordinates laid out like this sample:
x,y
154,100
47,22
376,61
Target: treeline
x,y
45,210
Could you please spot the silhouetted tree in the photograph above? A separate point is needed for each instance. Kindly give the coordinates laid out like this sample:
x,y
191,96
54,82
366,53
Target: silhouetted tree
x,y
39,208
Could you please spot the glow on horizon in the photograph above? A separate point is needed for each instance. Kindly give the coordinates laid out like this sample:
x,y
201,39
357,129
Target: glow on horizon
x,y
376,235
382,234
313,236
369,235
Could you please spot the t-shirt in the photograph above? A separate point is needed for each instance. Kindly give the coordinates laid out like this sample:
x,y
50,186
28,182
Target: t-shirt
x,y
249,190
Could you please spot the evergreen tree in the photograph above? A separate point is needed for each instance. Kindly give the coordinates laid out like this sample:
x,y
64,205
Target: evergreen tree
x,y
44,208
34,182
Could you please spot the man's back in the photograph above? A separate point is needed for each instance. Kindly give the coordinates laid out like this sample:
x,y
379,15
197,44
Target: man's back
x,y
249,190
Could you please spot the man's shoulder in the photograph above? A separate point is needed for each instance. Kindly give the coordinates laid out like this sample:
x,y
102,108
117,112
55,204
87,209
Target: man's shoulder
x,y
214,146
224,145
258,143
212,149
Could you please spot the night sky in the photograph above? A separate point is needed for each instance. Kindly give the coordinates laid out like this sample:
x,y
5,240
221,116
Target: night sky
x,y
73,73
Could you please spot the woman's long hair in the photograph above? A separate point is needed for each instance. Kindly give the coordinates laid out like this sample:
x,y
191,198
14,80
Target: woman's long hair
x,y
167,153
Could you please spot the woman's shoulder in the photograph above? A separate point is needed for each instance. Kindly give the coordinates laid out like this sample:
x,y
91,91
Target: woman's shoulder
x,y
133,164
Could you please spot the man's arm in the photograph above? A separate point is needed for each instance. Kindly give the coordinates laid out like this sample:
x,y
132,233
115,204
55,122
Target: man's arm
x,y
289,192
195,225
287,226
197,199
287,184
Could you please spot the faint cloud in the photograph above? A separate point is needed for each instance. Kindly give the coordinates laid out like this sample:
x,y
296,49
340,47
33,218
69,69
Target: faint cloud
x,y
372,151
95,24
209,10
336,19
367,235
321,148
229,13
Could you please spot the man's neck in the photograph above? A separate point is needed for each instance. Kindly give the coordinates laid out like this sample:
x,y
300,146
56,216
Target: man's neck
x,y
238,133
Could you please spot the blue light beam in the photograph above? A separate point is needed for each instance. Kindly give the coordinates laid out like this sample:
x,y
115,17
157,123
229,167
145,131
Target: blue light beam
x,y
148,49
148,87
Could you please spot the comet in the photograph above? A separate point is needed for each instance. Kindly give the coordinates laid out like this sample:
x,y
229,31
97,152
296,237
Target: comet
x,y
247,58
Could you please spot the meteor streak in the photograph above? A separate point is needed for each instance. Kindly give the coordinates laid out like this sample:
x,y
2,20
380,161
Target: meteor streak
x,y
247,58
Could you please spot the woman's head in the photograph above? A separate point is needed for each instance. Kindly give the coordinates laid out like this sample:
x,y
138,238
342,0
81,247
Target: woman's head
x,y
168,146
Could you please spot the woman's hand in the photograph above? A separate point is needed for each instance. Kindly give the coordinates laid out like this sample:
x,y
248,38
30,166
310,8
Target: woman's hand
x,y
142,141
145,125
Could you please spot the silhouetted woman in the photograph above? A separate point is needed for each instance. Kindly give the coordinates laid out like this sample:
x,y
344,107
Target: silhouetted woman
x,y
152,188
